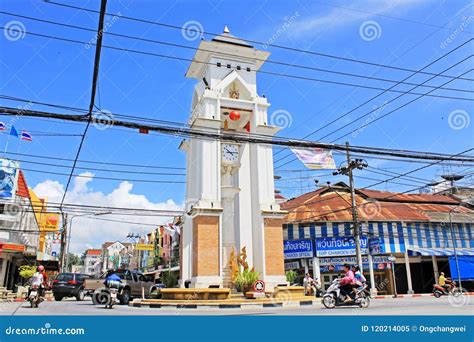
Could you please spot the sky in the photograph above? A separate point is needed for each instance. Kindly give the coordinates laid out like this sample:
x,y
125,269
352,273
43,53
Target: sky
x,y
403,34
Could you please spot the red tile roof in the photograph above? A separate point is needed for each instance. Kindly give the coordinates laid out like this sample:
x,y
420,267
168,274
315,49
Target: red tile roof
x,y
330,204
93,252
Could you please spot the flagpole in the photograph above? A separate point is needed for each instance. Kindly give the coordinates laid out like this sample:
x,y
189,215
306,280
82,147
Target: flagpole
x,y
6,145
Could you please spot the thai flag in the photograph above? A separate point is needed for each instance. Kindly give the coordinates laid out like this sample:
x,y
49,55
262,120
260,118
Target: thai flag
x,y
2,126
26,136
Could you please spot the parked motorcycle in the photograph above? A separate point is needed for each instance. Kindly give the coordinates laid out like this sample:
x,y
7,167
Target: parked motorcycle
x,y
439,291
35,296
317,289
333,297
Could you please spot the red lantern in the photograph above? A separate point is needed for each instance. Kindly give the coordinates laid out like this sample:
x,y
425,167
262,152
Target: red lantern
x,y
234,115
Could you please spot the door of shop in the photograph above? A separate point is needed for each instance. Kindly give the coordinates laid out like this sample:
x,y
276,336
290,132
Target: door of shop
x,y
327,280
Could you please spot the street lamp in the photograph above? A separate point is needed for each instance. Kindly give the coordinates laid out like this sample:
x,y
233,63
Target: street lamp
x,y
66,267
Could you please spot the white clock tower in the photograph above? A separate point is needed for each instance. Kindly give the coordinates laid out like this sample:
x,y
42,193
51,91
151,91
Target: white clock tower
x,y
230,198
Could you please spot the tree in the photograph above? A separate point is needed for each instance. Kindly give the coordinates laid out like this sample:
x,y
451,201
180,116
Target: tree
x,y
75,259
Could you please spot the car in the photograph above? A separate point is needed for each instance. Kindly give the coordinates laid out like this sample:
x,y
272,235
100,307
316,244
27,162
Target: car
x,y
134,285
69,285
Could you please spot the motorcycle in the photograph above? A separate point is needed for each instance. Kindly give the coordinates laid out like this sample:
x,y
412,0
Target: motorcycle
x,y
313,288
113,290
439,291
333,296
112,300
35,296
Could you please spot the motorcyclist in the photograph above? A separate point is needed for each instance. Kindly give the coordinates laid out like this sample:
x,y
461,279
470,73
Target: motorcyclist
x,y
359,279
40,279
112,280
346,283
114,283
444,282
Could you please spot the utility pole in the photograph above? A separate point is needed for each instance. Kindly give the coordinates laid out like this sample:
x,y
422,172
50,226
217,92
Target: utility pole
x,y
348,171
454,248
64,241
355,219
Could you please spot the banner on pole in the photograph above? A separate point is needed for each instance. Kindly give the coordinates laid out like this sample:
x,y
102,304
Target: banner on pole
x,y
315,158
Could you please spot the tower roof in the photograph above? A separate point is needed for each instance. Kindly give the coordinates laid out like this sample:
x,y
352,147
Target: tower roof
x,y
228,38
223,46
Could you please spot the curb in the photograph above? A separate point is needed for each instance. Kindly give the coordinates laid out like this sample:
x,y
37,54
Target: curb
x,y
308,302
225,306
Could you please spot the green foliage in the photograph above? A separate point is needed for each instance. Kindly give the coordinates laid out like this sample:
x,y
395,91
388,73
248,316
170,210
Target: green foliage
x,y
291,276
245,279
169,279
75,259
26,271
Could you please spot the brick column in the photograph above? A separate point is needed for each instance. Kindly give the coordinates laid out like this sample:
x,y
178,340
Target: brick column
x,y
206,252
274,258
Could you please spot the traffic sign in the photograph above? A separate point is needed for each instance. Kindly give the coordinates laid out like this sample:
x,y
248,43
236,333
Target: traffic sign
x,y
259,286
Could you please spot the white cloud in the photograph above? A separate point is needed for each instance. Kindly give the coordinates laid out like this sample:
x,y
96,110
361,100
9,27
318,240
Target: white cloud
x,y
337,18
91,233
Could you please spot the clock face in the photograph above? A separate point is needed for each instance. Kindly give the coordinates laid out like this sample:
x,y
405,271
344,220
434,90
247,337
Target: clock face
x,y
230,153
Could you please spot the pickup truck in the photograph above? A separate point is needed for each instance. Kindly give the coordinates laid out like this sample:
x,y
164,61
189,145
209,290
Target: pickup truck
x,y
135,284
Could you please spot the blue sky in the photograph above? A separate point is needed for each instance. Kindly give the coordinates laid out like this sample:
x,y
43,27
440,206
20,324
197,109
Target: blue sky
x,y
408,34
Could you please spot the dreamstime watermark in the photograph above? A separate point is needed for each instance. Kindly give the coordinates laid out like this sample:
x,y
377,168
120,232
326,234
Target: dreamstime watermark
x,y
376,111
281,118
192,30
460,299
287,22
282,298
108,23
465,23
458,119
20,111
46,330
382,286
103,119
14,30
370,30
371,208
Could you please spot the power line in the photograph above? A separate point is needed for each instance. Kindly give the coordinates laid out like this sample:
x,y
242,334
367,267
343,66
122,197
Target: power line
x,y
95,77
380,94
383,116
381,182
379,117
247,40
226,136
402,152
398,56
102,170
95,162
235,68
121,209
105,178
228,54
391,173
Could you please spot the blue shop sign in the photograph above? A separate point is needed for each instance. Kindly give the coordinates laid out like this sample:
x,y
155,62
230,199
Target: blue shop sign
x,y
339,246
296,249
376,246
335,264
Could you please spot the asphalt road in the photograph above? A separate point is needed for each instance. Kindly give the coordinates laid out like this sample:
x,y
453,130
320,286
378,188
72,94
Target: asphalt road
x,y
390,306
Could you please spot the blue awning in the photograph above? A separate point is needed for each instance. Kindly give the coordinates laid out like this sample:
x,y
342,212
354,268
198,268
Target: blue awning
x,y
439,251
